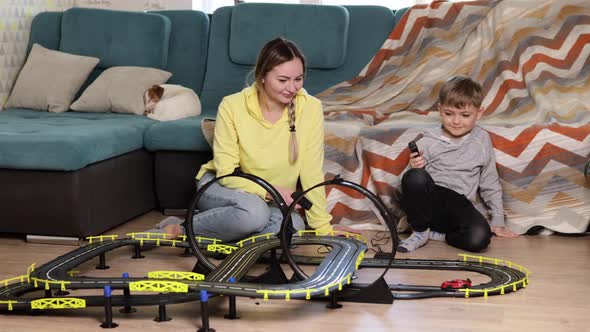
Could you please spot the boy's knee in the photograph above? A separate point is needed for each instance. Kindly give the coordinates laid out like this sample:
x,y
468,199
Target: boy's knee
x,y
416,178
477,239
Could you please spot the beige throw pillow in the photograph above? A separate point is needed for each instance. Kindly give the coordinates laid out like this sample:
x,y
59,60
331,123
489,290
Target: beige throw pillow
x,y
120,90
49,80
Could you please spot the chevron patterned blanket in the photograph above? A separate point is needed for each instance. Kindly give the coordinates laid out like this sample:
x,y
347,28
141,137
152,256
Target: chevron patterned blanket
x,y
533,62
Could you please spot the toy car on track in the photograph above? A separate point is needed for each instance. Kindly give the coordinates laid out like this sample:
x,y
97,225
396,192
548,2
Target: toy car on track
x,y
456,284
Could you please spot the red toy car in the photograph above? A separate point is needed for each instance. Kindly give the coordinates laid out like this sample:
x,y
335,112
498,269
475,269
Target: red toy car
x,y
456,284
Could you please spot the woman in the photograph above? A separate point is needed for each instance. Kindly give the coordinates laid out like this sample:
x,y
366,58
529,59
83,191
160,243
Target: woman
x,y
272,129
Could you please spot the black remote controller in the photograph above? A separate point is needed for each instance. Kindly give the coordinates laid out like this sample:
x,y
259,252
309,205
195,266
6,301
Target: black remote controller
x,y
413,147
304,202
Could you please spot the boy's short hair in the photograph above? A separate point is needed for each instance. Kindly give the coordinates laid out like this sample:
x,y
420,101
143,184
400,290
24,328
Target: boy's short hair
x,y
460,91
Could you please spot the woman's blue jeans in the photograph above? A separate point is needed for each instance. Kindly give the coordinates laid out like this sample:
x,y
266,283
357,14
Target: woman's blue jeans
x,y
231,214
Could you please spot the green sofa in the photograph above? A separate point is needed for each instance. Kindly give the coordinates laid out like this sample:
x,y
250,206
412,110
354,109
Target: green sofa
x,y
80,174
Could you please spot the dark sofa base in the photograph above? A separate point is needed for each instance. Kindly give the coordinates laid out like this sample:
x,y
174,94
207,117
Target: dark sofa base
x,y
175,177
80,203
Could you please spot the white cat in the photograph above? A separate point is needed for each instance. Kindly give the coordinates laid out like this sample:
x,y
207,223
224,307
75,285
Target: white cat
x,y
168,102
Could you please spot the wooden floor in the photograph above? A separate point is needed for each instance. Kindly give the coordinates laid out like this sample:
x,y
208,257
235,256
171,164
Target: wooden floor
x,y
557,298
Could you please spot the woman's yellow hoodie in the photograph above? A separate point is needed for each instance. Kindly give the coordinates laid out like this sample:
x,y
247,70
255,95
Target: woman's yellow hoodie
x,y
243,138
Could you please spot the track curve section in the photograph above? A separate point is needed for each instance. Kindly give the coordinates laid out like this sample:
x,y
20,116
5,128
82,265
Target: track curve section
x,y
333,273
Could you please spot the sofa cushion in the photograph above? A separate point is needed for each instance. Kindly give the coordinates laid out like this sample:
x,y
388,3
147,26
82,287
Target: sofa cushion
x,y
120,90
66,141
49,80
320,31
179,135
118,38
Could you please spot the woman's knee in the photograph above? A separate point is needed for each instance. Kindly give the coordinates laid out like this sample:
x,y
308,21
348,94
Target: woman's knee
x,y
251,214
298,222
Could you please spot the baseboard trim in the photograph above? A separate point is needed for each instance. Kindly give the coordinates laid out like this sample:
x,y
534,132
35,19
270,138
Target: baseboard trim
x,y
62,240
175,212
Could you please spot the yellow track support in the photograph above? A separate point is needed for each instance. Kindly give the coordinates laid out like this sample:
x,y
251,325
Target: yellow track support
x,y
332,233
58,303
158,238
100,238
9,303
202,239
22,278
31,268
485,291
359,260
179,275
158,286
222,248
72,273
339,283
62,284
254,238
160,241
307,291
524,281
495,261
149,236
286,292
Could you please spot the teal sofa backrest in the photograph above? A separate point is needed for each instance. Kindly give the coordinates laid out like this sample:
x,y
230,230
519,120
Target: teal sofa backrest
x,y
337,42
175,41
187,53
117,38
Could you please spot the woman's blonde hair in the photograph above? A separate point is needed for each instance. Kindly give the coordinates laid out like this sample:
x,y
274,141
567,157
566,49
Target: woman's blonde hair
x,y
274,53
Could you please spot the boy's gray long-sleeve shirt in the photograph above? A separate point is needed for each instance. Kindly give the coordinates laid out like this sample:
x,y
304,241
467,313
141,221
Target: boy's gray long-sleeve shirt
x,y
464,165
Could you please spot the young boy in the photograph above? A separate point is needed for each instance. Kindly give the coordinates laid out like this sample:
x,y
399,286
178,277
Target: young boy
x,y
454,162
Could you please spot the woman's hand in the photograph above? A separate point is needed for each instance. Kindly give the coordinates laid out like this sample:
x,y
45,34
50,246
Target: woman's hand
x,y
503,232
416,160
285,194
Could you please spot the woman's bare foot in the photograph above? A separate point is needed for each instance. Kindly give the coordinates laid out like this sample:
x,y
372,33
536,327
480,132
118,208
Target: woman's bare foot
x,y
173,230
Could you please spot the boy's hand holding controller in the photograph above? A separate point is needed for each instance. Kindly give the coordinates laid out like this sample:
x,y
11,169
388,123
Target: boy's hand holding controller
x,y
416,160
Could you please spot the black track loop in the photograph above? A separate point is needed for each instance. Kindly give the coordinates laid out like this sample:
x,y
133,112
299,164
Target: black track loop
x,y
190,232
385,214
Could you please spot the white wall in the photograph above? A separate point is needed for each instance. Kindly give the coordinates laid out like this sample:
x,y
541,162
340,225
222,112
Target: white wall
x,y
135,4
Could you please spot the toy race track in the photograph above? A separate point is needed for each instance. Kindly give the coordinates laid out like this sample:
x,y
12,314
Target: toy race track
x,y
331,280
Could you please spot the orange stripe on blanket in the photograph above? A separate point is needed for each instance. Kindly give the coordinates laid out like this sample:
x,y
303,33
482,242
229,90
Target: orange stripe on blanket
x,y
548,153
519,144
418,25
341,210
348,191
391,165
578,133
